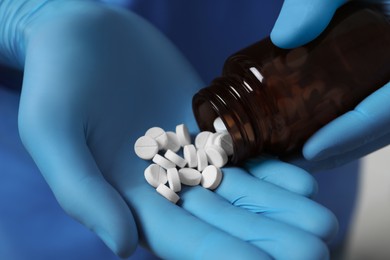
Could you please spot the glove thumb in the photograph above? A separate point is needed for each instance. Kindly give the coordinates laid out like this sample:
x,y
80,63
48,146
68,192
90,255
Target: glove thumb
x,y
301,21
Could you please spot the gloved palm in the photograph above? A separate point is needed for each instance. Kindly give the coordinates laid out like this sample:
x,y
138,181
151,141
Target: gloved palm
x,y
95,80
354,134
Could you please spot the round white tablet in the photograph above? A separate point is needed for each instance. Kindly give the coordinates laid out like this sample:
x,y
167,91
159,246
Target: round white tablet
x,y
201,139
211,177
189,176
202,159
216,155
176,159
183,135
219,126
173,143
189,152
159,135
168,193
155,175
165,163
224,140
174,179
146,147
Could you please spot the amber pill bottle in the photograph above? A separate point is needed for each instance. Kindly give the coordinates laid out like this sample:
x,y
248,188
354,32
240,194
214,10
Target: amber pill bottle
x,y
272,100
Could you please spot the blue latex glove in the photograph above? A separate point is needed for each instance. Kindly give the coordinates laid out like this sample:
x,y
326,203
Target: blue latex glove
x,y
95,79
354,134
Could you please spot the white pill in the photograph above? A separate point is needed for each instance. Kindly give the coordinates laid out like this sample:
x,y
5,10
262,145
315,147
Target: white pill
x,y
211,139
202,159
216,156
224,140
174,179
201,139
219,126
183,135
146,147
189,176
176,159
155,175
165,163
211,177
173,143
168,193
189,152
159,135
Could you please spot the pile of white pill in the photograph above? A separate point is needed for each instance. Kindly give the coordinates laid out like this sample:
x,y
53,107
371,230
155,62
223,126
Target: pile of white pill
x,y
197,163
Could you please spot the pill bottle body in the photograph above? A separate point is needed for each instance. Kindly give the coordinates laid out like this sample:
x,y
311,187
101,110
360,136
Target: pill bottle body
x,y
272,100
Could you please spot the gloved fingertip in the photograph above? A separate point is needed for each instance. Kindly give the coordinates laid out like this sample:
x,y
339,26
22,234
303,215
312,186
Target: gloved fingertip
x,y
312,190
304,185
106,238
300,23
330,227
287,34
282,39
289,175
312,152
310,155
123,248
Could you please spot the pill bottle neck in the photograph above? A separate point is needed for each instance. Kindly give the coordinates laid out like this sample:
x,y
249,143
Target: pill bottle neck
x,y
234,99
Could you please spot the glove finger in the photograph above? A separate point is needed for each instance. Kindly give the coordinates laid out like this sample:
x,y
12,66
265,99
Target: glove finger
x,y
244,191
173,233
67,165
302,21
369,121
279,240
283,174
338,160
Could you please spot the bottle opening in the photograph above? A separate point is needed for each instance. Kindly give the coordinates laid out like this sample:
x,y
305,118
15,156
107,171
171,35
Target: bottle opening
x,y
209,105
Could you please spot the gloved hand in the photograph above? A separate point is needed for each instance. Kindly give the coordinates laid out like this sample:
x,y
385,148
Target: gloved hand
x,y
354,134
96,78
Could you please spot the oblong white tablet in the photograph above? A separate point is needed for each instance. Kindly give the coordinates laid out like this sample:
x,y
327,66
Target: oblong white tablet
x,y
146,147
173,179
224,140
155,175
189,176
165,163
176,159
211,177
201,139
173,143
216,155
219,126
189,152
183,135
158,134
168,193
202,159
